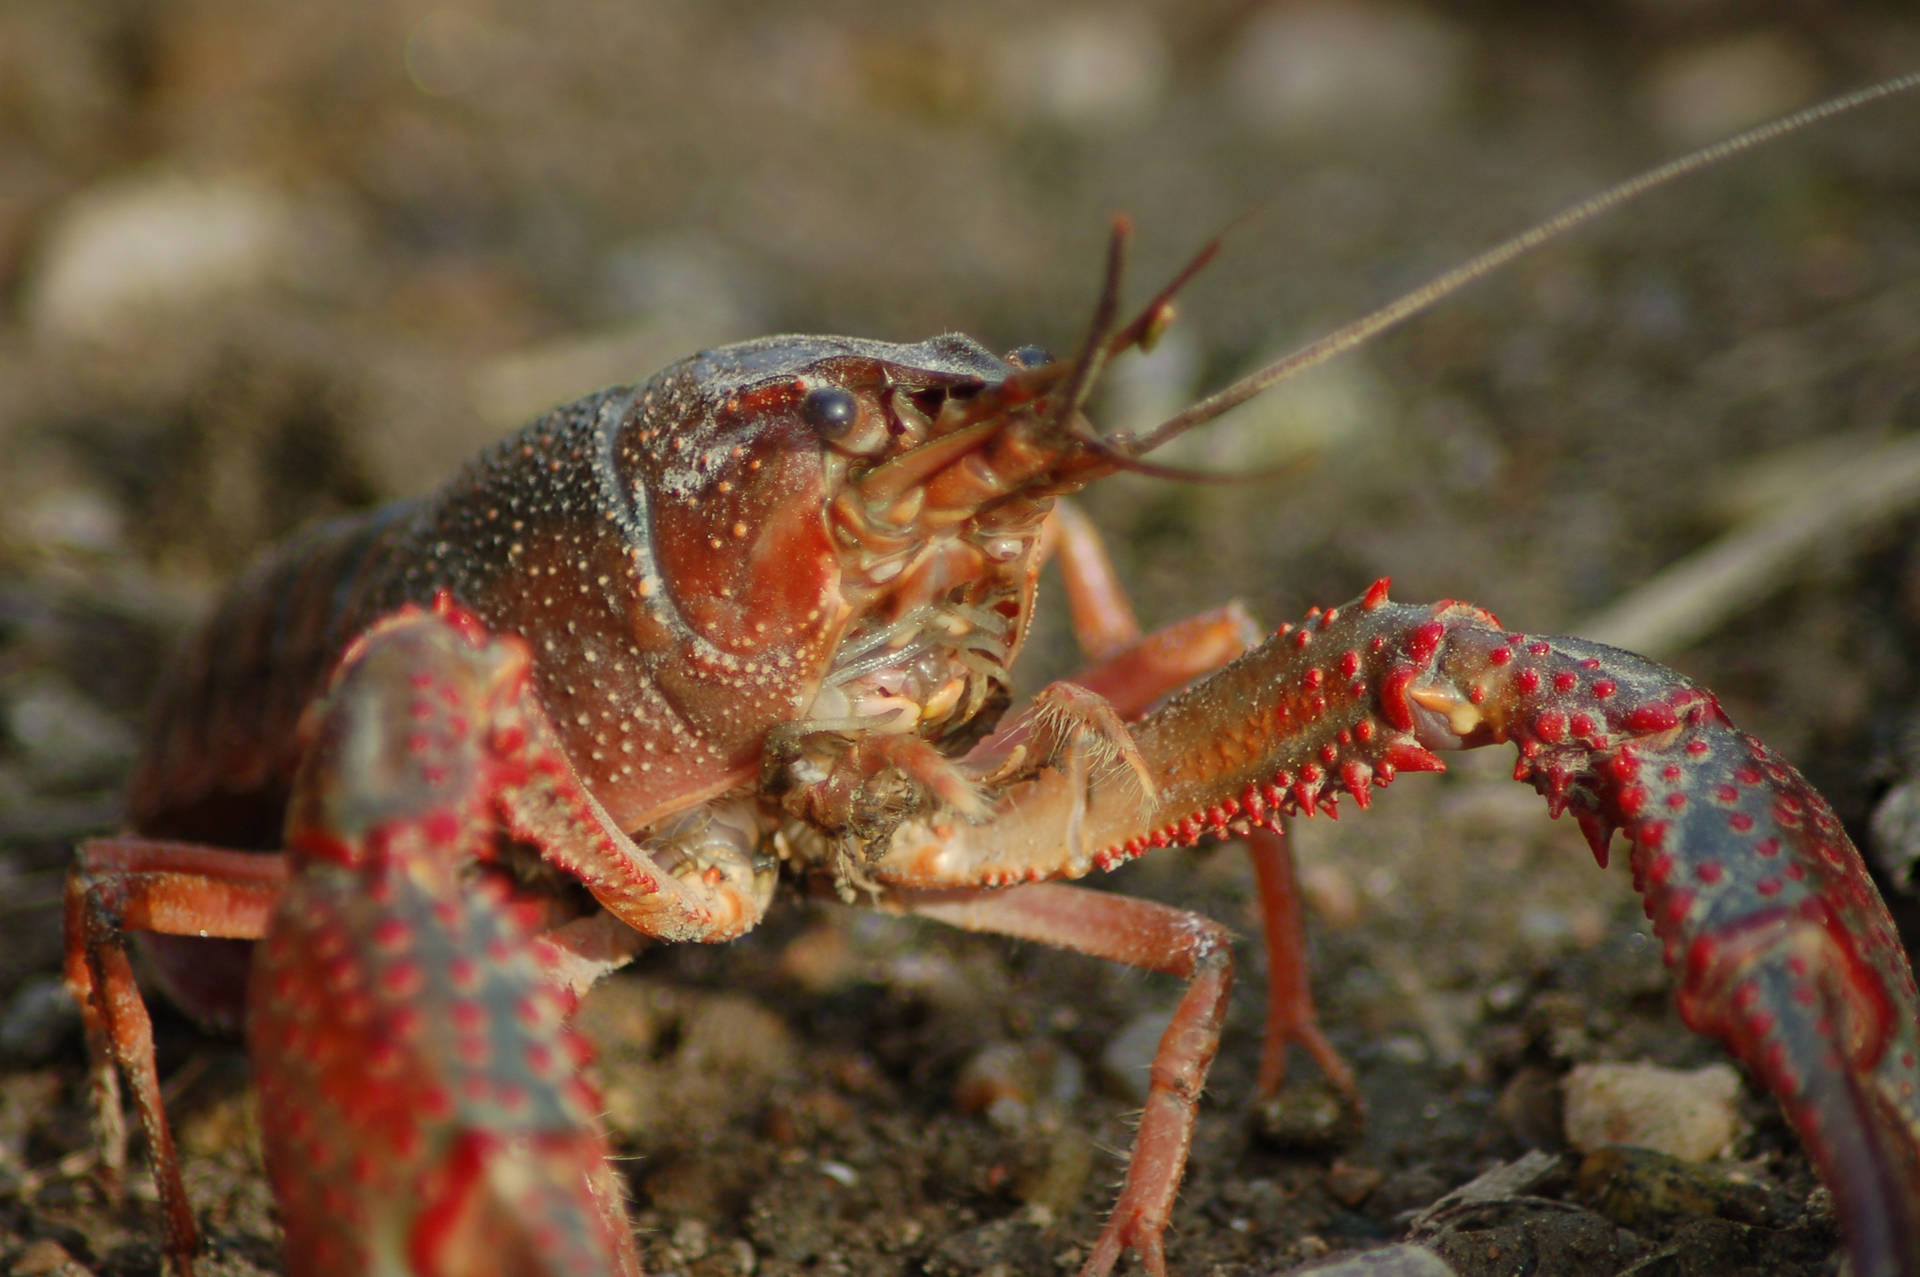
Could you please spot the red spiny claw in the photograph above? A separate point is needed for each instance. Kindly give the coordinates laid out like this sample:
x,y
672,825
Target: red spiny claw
x,y
420,1107
1784,950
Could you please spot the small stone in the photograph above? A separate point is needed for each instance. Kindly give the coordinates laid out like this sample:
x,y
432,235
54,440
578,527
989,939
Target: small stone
x,y
820,960
1128,1057
1894,836
37,1019
1309,1117
1351,1183
1689,1114
1647,1191
65,737
1012,1082
736,1034
1532,1105
1332,895
1058,1184
46,1258
72,518
149,247
996,1080
1098,69
1323,70
1710,92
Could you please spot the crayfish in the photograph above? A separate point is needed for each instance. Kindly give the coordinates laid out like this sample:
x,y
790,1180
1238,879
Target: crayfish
x,y
753,622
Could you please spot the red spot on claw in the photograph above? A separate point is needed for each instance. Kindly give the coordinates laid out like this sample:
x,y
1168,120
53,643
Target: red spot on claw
x,y
1655,716
1425,641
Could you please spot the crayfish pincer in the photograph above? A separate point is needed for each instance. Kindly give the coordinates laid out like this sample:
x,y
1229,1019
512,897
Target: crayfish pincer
x,y
753,622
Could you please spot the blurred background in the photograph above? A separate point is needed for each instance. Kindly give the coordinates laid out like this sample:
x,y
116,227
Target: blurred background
x,y
265,263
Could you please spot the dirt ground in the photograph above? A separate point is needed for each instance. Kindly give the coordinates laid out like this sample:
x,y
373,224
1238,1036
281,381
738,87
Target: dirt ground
x,y
261,264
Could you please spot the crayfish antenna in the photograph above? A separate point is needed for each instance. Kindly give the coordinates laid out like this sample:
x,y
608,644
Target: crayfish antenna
x,y
1412,303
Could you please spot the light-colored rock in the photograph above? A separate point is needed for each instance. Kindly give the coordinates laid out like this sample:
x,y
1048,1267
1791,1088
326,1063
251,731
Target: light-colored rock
x,y
1706,93
1092,70
150,247
1323,70
1689,1114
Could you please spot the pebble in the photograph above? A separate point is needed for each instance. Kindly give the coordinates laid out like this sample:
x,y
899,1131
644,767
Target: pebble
x,y
76,519
1894,836
1689,1114
37,1019
145,248
65,738
1013,1082
1351,1183
1709,92
1307,1117
46,1258
1128,1056
1333,71
1649,1192
1091,70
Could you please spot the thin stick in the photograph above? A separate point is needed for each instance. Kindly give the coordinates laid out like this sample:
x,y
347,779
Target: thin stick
x,y
1693,597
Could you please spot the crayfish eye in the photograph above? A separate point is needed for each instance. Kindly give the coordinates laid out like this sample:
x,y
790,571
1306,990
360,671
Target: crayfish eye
x,y
1030,357
831,411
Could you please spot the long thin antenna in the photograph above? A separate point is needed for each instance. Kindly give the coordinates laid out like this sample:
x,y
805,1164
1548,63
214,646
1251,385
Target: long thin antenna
x,y
1410,304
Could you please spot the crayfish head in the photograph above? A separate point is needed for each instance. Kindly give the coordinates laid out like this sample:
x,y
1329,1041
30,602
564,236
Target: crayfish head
x,y
866,511
886,500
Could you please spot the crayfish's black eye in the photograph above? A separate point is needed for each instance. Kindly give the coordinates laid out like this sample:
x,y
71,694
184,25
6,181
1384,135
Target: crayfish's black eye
x,y
1030,357
830,410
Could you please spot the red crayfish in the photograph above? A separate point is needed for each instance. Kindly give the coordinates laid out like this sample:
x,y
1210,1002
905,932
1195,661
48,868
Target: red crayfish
x,y
754,620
